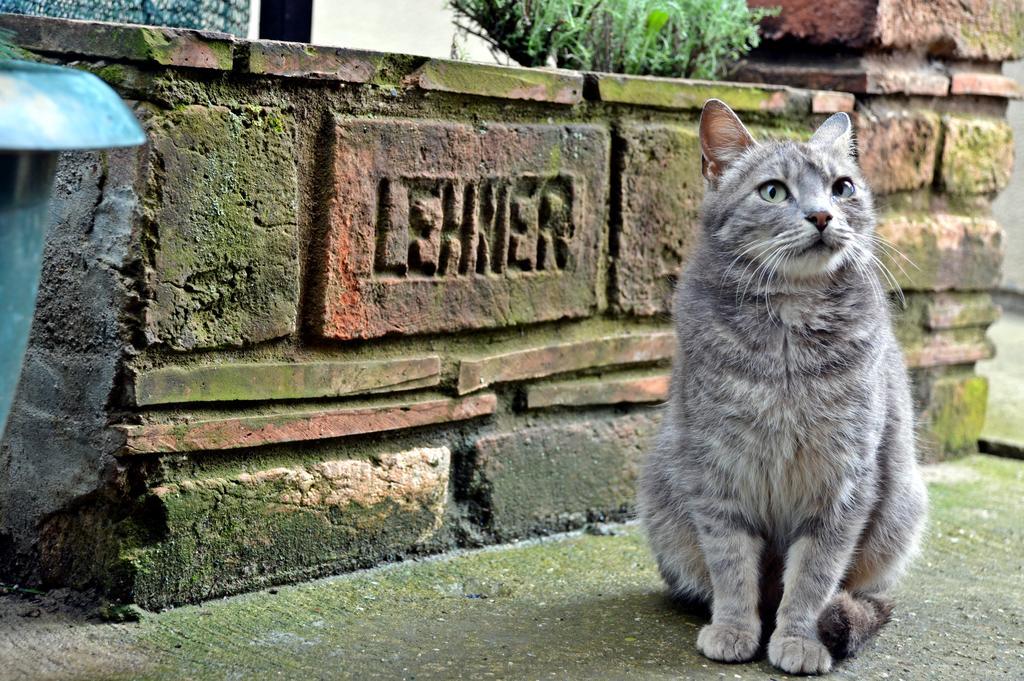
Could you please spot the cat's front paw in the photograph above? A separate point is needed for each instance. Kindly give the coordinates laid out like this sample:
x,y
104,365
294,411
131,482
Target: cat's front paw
x,y
727,643
799,655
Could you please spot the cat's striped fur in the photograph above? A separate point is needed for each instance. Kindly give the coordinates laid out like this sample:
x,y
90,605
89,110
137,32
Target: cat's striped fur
x,y
788,436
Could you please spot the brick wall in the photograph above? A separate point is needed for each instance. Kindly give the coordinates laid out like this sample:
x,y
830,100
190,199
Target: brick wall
x,y
349,307
933,138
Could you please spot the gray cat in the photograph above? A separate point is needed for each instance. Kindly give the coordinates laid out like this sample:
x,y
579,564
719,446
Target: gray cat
x,y
783,484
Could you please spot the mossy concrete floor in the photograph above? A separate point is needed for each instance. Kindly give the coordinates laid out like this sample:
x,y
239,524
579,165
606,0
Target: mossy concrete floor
x,y
585,606
1004,421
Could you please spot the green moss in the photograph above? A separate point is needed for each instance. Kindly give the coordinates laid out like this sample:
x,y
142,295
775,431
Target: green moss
x,y
500,82
956,415
390,70
677,94
977,155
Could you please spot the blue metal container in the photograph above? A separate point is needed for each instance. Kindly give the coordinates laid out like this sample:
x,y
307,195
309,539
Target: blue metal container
x,y
43,110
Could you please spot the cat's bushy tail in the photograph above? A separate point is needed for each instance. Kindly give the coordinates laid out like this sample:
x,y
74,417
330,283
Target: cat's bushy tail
x,y
848,622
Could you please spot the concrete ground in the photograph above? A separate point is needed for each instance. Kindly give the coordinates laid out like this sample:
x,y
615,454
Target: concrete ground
x,y
584,606
1004,422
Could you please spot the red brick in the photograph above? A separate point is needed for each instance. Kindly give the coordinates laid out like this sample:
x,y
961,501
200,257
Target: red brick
x,y
659,222
831,102
990,84
944,348
973,29
283,380
261,429
870,74
602,390
440,227
150,44
271,57
897,150
518,365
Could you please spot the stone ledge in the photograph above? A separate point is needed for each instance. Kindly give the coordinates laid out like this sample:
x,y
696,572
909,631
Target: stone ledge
x,y
301,60
147,44
673,93
518,365
987,84
283,381
236,432
872,74
503,82
598,391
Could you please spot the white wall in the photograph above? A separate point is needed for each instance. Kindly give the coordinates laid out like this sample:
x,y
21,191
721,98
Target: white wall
x,y
422,27
1009,207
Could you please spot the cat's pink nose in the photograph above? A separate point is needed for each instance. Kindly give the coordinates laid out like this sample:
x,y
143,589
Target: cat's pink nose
x,y
819,219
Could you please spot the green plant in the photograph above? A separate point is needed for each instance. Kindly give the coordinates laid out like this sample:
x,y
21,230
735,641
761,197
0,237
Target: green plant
x,y
682,38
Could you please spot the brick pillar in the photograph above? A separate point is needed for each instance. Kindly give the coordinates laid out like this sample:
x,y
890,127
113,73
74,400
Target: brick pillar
x,y
935,145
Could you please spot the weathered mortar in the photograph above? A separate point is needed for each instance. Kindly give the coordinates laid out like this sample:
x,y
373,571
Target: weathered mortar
x,y
356,307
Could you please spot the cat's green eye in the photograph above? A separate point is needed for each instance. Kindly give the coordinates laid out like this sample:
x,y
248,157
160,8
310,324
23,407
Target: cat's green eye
x,y
773,191
843,188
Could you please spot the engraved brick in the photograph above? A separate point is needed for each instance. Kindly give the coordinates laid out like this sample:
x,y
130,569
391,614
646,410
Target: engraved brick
x,y
948,252
977,155
283,381
659,198
597,391
897,150
271,57
438,227
224,265
518,365
294,426
558,477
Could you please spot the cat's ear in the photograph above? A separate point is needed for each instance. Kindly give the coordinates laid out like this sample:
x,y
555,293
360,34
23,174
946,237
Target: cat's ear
x,y
723,138
836,133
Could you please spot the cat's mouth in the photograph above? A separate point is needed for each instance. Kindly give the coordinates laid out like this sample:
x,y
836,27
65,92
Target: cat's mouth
x,y
819,246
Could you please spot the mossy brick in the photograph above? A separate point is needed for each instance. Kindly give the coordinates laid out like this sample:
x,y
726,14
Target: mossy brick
x,y
299,60
953,416
253,529
149,44
437,227
545,360
959,310
223,227
501,82
945,251
977,155
949,347
601,390
987,30
676,93
897,149
297,425
659,195
556,477
283,380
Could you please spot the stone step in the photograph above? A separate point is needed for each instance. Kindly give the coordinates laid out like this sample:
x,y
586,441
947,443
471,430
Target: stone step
x,y
582,606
